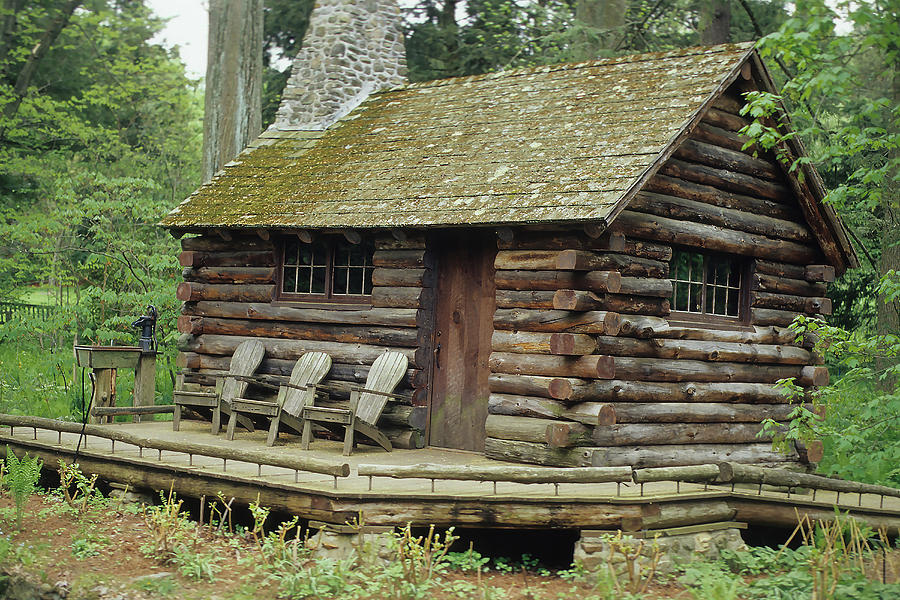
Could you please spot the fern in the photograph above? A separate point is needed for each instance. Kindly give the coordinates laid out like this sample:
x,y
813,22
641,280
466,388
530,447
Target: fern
x,y
22,477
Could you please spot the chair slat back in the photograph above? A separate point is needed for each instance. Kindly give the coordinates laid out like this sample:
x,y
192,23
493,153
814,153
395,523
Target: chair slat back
x,y
386,372
309,370
245,361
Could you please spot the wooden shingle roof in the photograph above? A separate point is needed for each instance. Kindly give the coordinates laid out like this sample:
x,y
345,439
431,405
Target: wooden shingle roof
x,y
562,143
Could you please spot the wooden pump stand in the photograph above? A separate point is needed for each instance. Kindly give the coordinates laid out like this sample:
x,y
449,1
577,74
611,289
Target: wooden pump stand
x,y
105,362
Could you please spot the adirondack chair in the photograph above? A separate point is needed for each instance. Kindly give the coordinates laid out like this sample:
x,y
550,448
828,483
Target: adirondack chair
x,y
299,391
366,405
246,359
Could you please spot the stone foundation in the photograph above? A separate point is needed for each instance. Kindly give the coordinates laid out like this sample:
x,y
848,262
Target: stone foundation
x,y
677,545
343,541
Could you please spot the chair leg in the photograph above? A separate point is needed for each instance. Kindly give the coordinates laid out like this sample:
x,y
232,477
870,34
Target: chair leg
x,y
176,418
273,429
232,421
348,439
216,420
306,436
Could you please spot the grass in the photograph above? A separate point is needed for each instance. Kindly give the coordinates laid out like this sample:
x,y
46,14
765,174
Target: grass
x,y
45,382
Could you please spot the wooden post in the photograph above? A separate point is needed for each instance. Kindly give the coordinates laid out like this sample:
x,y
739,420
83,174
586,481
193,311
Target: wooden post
x,y
145,383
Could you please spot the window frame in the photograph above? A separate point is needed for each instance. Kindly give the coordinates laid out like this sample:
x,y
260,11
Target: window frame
x,y
742,320
329,299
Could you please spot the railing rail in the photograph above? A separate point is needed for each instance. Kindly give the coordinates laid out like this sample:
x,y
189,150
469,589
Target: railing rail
x,y
13,310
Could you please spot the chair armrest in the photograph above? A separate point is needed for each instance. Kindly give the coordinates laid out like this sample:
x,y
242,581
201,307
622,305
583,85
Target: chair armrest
x,y
362,390
255,380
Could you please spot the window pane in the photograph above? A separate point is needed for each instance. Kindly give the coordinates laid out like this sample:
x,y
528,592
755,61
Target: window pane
x,y
303,283
289,283
318,280
367,281
291,249
342,254
695,302
339,285
355,284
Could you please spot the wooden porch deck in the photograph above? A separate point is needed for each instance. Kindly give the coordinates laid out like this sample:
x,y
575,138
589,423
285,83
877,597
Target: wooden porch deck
x,y
394,502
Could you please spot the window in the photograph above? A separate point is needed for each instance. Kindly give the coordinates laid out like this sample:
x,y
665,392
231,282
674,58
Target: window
x,y
704,284
330,270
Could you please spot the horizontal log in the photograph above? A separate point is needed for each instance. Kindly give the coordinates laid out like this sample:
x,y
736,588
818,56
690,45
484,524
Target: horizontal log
x,y
250,258
576,390
717,136
399,259
380,336
591,367
685,514
401,277
521,342
524,299
726,180
355,354
244,275
674,207
572,344
725,120
714,238
691,473
206,243
702,350
556,240
789,302
690,190
401,297
116,411
741,473
672,455
597,281
813,273
661,369
580,300
646,286
539,454
398,415
229,452
699,412
526,385
729,103
566,435
645,249
588,413
401,239
525,429
784,285
405,439
188,291
578,260
510,473
393,317
771,316
648,327
724,158
553,321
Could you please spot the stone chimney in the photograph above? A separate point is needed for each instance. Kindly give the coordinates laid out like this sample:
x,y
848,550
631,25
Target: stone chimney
x,y
352,48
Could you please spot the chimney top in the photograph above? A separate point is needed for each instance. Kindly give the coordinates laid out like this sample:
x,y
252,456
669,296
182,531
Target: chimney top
x,y
352,48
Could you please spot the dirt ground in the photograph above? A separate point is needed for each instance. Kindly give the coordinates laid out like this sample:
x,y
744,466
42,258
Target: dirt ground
x,y
97,555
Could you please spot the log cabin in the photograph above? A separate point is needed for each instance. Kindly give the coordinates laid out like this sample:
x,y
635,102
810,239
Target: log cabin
x,y
584,263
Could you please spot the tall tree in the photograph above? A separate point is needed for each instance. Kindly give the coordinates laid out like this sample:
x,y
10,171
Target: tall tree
x,y
715,21
233,107
605,19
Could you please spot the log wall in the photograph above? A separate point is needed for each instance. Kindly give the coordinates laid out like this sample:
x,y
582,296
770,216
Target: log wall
x,y
228,292
589,366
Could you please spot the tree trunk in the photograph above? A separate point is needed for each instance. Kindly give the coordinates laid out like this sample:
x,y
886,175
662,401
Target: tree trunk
x,y
233,105
715,22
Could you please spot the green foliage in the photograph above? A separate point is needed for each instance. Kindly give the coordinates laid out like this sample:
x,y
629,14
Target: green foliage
x,y
195,564
22,476
87,544
468,561
77,490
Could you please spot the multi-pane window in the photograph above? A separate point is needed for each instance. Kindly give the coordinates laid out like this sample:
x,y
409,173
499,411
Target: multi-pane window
x,y
706,284
326,270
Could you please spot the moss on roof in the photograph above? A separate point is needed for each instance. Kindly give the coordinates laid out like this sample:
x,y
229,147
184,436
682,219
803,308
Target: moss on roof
x,y
556,143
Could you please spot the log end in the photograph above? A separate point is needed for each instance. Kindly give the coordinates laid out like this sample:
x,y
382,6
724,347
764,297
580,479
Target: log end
x,y
606,367
565,300
613,282
606,416
560,389
612,323
557,435
822,273
814,376
567,260
186,258
187,324
183,292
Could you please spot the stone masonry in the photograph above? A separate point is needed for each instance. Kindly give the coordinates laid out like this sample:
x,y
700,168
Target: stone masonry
x,y
351,49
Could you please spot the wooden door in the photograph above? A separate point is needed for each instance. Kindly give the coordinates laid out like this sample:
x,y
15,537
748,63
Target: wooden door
x,y
464,322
